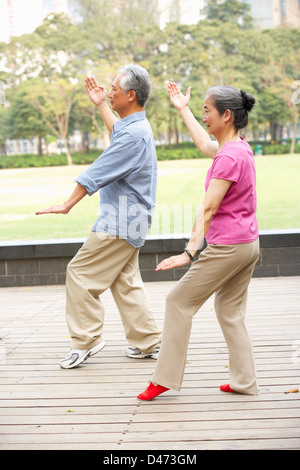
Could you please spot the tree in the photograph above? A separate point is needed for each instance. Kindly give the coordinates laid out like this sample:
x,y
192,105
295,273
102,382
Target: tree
x,y
54,101
229,11
24,120
4,128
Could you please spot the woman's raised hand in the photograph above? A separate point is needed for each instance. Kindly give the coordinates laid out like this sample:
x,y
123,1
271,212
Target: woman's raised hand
x,y
178,100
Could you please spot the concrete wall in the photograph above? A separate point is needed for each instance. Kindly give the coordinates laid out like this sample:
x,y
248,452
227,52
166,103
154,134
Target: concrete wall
x,y
44,262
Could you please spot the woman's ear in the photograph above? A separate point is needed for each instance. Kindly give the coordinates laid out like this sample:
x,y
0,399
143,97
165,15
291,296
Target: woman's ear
x,y
228,115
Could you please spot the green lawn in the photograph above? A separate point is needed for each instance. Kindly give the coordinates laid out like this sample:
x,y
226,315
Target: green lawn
x,y
180,190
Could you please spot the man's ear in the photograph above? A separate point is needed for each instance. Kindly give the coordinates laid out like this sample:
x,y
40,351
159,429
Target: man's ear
x,y
131,95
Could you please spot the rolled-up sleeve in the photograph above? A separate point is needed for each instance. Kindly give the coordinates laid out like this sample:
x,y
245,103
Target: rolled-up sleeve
x,y
116,162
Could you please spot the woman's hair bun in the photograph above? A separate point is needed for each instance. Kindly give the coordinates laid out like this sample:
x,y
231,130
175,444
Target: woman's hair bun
x,y
248,101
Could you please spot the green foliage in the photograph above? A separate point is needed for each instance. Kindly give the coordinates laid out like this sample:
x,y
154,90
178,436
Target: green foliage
x,y
229,11
28,160
180,152
184,151
279,149
44,71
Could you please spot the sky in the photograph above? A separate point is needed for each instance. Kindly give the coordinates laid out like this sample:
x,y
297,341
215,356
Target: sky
x,y
27,15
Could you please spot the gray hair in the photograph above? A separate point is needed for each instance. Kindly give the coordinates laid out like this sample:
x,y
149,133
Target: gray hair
x,y
237,101
136,78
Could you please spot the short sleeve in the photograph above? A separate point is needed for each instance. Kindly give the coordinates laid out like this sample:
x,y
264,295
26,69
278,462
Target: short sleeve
x,y
225,168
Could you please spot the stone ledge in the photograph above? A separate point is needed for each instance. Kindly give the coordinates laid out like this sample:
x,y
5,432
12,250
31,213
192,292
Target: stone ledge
x,y
44,262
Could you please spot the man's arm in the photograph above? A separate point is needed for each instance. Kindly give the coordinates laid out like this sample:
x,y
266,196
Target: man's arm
x,y
199,135
97,95
76,196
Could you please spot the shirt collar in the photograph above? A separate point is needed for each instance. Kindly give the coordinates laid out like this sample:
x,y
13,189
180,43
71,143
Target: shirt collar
x,y
118,125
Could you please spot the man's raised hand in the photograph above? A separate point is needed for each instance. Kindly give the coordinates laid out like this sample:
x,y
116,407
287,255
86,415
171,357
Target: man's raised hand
x,y
96,92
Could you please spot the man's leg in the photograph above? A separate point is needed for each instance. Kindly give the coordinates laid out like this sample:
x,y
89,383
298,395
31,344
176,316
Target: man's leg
x,y
92,271
129,294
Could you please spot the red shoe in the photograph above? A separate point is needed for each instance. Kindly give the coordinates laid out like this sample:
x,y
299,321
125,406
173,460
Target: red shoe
x,y
226,388
151,392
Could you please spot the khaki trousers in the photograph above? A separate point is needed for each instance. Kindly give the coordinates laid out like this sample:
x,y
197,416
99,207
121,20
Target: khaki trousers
x,y
106,261
225,270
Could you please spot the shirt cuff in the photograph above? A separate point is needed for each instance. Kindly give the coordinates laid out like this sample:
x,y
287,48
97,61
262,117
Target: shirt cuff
x,y
90,185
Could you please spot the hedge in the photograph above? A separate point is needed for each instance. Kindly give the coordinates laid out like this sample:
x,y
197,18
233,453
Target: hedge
x,y
182,152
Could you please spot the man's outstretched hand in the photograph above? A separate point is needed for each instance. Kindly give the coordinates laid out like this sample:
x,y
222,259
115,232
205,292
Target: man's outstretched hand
x,y
59,209
96,92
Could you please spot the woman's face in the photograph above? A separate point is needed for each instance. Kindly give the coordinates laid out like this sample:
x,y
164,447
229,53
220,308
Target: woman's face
x,y
212,119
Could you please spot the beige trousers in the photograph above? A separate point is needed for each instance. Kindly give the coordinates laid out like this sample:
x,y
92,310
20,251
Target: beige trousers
x,y
106,261
225,270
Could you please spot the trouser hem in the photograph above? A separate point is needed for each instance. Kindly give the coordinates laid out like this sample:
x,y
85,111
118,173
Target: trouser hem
x,y
166,383
79,346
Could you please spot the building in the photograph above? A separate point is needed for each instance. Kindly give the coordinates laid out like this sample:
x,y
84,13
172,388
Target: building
x,y
180,11
272,13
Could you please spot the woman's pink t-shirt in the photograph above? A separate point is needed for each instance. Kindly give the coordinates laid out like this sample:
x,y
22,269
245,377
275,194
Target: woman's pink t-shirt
x,y
235,221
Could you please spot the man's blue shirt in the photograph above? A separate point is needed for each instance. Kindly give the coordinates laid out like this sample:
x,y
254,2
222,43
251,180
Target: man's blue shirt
x,y
126,175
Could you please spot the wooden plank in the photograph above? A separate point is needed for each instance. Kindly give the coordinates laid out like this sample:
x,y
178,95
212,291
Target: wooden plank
x,y
95,406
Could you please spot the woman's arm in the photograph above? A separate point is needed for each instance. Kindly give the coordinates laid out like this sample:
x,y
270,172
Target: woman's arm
x,y
200,137
76,196
215,193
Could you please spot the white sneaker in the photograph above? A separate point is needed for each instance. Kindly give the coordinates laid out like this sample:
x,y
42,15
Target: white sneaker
x,y
136,353
77,356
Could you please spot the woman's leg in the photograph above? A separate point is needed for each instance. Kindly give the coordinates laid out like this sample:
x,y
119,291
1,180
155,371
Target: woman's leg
x,y
215,266
230,306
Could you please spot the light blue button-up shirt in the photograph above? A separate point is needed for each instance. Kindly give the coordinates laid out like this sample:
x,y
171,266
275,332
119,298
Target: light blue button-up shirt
x,y
126,174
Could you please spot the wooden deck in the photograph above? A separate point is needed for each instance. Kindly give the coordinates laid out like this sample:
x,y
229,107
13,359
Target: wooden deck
x,y
95,406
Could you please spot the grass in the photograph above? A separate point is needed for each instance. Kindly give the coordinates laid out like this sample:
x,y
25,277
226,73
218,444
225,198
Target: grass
x,y
180,190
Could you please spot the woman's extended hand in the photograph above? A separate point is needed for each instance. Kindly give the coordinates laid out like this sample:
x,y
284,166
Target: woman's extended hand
x,y
178,100
173,262
96,92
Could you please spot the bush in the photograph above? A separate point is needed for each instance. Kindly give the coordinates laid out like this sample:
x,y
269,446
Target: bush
x,y
82,158
28,160
279,149
183,152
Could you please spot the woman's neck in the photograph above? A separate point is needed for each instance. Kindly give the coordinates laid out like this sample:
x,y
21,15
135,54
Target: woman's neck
x,y
231,136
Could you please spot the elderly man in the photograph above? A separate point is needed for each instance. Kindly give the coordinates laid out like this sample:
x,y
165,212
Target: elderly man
x,y
126,174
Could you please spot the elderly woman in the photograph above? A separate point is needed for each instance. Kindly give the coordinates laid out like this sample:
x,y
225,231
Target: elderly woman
x,y
228,222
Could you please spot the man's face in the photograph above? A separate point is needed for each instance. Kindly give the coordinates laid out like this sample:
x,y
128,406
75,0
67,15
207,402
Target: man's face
x,y
118,99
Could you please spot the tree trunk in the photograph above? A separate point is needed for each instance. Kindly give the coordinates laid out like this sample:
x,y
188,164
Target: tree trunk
x,y
40,145
68,153
3,149
294,129
85,141
273,131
